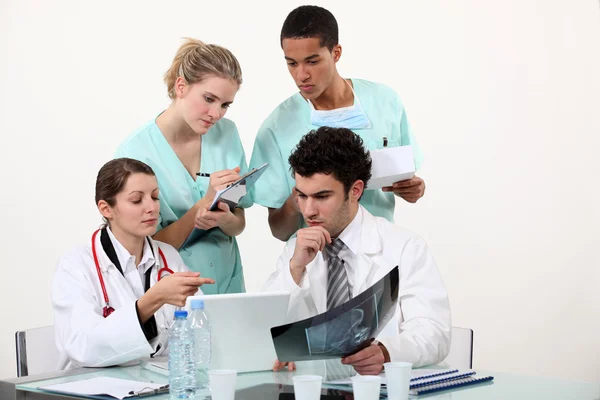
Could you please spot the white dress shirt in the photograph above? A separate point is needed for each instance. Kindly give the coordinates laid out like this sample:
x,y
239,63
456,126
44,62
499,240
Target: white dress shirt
x,y
420,330
134,274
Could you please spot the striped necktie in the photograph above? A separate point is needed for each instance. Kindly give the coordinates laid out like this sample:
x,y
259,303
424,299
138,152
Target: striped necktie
x,y
337,279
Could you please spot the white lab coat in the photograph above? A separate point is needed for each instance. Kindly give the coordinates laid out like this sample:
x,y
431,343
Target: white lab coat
x,y
420,329
83,336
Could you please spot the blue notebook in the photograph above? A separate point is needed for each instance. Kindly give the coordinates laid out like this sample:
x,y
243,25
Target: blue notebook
x,y
449,385
439,378
444,380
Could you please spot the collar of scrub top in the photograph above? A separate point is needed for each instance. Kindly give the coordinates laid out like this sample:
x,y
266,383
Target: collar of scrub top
x,y
360,119
109,250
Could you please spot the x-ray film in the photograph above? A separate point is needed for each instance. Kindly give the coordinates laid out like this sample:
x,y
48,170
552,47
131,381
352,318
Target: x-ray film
x,y
343,330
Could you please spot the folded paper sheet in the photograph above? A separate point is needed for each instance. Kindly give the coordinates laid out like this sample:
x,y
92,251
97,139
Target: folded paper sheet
x,y
391,165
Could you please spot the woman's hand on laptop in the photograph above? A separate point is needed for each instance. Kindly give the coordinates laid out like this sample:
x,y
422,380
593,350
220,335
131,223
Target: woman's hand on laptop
x,y
278,366
174,289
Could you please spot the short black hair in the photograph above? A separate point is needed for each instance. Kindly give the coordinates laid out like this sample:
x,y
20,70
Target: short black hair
x,y
311,22
337,151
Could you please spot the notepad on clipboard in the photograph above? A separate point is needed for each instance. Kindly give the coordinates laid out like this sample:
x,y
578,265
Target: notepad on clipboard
x,y
234,192
107,388
231,195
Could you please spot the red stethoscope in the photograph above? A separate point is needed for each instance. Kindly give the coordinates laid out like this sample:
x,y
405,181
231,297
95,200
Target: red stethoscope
x,y
107,310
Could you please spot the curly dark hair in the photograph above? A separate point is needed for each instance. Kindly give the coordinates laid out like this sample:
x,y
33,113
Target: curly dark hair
x,y
311,22
337,151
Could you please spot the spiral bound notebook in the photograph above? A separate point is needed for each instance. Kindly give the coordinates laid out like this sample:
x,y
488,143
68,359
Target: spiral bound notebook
x,y
439,378
419,377
448,385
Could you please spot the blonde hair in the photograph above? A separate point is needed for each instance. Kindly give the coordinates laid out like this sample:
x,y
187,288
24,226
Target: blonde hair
x,y
196,60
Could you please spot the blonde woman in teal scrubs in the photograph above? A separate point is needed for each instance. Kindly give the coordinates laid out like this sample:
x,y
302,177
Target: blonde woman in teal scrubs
x,y
190,137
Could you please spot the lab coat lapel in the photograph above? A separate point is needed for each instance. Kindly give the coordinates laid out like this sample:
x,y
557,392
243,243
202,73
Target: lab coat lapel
x,y
370,245
365,269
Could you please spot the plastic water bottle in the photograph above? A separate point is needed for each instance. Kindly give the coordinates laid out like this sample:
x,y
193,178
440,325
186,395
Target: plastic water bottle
x,y
202,350
182,371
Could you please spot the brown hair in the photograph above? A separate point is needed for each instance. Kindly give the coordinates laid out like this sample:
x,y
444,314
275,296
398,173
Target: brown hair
x,y
113,176
195,60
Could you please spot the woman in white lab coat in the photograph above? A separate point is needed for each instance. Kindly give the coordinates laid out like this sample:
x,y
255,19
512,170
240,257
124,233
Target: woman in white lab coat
x,y
115,296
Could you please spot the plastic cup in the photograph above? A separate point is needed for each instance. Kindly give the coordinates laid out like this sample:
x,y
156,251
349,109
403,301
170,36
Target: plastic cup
x,y
397,375
366,387
307,387
222,383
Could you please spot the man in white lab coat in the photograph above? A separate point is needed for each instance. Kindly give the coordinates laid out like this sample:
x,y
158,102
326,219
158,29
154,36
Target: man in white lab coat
x,y
344,250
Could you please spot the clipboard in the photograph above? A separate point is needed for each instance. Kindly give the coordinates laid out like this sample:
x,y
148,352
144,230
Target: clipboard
x,y
234,192
106,388
231,195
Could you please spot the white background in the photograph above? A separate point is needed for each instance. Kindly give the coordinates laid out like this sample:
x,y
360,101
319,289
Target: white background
x,y
504,97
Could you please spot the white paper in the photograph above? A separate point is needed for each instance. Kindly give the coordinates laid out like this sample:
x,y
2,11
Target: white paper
x,y
391,165
157,364
101,386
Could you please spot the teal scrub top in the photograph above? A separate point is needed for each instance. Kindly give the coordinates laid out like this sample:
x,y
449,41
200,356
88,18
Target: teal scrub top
x,y
215,255
283,129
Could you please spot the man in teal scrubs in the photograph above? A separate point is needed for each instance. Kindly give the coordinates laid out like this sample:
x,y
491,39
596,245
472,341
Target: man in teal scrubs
x,y
309,39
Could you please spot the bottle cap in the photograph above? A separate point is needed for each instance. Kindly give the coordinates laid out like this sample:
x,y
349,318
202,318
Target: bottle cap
x,y
181,314
198,304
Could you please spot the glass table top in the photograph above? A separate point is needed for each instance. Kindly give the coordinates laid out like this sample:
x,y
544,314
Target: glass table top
x,y
504,385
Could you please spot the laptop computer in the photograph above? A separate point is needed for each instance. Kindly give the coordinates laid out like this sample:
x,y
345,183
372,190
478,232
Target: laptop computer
x,y
241,328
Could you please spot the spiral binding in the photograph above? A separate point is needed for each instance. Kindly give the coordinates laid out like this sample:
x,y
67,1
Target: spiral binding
x,y
450,385
442,380
420,378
